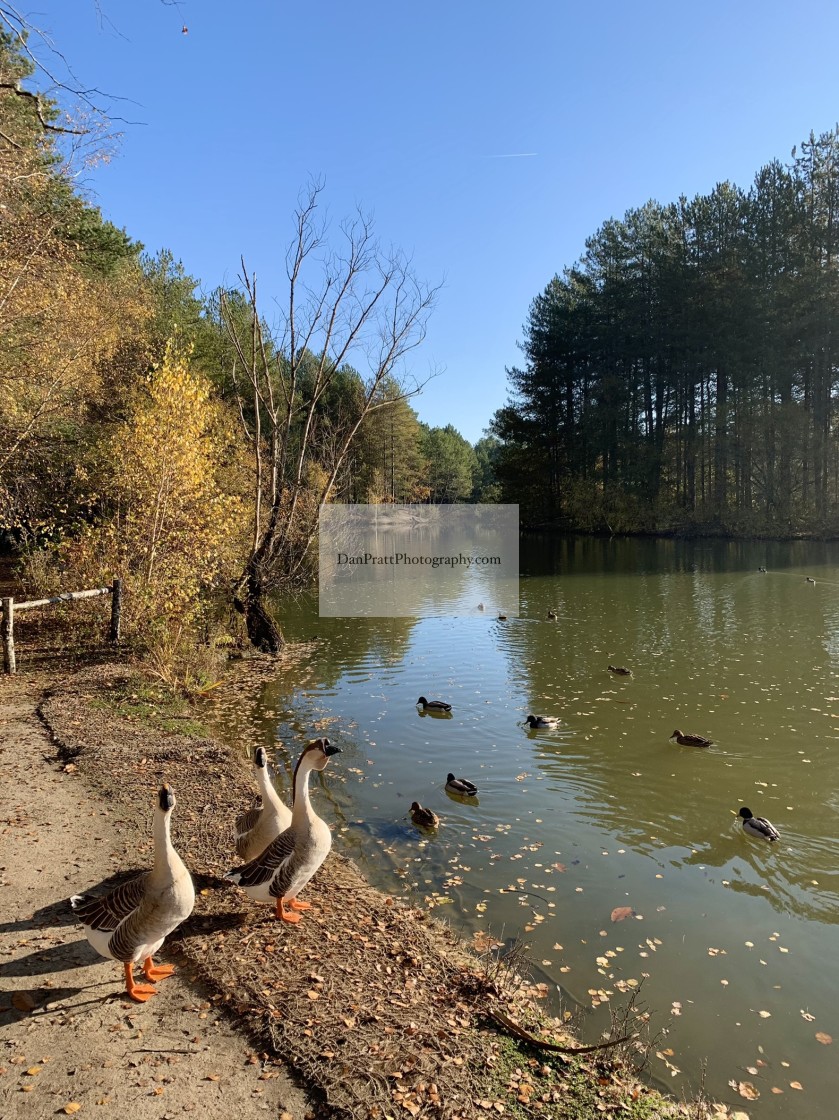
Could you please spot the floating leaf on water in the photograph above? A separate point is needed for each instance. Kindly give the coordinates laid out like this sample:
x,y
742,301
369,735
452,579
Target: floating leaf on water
x,y
806,1015
824,1038
621,912
747,1090
796,1085
765,1014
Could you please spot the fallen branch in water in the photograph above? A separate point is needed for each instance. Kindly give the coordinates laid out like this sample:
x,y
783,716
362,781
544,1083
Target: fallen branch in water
x,y
520,1032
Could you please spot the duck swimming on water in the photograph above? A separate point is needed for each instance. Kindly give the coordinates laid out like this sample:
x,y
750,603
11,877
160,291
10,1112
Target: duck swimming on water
x,y
461,786
690,740
758,826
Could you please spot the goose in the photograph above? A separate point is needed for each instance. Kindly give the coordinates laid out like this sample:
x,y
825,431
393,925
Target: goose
x,y
132,922
542,721
758,826
434,705
690,740
288,863
425,818
619,670
551,616
256,828
460,786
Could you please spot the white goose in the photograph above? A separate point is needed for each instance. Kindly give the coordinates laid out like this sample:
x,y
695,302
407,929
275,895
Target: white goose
x,y
256,828
132,922
288,863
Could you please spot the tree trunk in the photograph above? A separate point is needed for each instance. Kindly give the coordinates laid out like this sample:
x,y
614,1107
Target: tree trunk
x,y
263,631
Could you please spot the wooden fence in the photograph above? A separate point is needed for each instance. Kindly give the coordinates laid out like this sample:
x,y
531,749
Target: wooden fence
x,y
11,608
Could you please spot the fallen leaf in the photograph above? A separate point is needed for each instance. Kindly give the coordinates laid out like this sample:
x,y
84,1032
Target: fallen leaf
x,y
823,1038
776,1090
747,1090
621,912
806,1015
72,1107
765,1014
313,995
796,1085
23,1001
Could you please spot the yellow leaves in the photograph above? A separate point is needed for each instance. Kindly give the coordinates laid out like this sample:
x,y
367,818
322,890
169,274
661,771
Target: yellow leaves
x,y
174,529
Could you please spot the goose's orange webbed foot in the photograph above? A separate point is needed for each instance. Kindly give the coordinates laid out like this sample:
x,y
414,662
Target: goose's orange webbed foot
x,y
286,915
295,905
154,972
138,992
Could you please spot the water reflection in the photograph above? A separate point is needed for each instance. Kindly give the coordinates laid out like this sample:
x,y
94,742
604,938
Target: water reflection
x,y
604,811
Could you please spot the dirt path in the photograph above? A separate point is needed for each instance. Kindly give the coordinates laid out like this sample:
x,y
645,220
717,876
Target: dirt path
x,y
68,1034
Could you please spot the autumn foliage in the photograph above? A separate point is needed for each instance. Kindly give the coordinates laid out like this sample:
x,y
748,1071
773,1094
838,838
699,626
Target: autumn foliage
x,y
168,528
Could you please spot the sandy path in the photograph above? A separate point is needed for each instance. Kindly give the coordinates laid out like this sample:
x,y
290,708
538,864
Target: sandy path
x,y
68,1034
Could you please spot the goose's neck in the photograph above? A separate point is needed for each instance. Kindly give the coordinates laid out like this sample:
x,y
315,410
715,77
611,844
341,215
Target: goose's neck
x,y
266,787
164,853
302,808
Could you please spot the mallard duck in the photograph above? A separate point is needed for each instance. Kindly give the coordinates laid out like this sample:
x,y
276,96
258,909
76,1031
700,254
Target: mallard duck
x,y
132,922
619,670
461,786
811,580
758,826
551,616
256,828
425,818
762,569
691,740
542,721
434,705
502,618
288,863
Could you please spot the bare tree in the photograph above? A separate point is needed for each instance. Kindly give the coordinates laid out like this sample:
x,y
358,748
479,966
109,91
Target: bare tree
x,y
357,306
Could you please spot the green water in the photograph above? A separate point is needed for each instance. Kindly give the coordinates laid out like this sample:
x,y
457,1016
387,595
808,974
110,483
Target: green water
x,y
735,939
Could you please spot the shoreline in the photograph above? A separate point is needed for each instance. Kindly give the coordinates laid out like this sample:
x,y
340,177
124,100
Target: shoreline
x,y
377,1006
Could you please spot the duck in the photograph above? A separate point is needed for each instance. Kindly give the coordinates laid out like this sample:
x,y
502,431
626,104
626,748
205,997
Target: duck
x,y
460,786
542,721
425,818
762,569
283,869
811,580
690,740
551,616
620,670
481,607
434,705
502,618
131,923
758,826
256,828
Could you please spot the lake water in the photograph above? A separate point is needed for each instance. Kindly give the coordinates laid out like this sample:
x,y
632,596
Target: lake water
x,y
735,939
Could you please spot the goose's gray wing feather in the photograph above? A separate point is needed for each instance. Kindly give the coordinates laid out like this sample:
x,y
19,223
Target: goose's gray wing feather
x,y
107,913
264,867
246,821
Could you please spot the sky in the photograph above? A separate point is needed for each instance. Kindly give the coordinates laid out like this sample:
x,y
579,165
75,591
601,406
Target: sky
x,y
487,140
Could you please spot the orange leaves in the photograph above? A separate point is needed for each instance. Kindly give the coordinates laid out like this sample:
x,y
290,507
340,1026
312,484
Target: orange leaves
x,y
621,912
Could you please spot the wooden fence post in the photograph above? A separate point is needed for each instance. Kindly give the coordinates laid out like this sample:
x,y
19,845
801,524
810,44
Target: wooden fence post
x,y
116,609
7,630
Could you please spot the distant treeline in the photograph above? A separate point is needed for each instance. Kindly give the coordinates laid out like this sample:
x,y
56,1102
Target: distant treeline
x,y
683,374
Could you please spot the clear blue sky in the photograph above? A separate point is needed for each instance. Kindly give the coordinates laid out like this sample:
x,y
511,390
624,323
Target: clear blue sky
x,y
487,139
